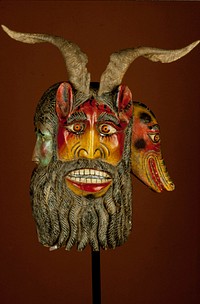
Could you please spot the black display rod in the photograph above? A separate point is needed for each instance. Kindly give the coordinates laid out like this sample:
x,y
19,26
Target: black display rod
x,y
96,278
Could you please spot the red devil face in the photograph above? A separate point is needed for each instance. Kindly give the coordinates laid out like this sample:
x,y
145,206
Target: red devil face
x,y
92,131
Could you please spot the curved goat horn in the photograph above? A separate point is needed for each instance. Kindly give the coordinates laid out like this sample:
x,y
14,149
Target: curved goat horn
x,y
120,61
75,59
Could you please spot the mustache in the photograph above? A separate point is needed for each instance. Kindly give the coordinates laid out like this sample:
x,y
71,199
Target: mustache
x,y
63,168
69,166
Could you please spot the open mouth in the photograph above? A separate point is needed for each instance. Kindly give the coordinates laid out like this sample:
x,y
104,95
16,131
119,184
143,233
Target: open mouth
x,y
89,180
160,175
154,173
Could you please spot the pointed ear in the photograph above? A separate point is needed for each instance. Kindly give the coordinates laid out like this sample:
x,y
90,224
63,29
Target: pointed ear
x,y
124,102
64,100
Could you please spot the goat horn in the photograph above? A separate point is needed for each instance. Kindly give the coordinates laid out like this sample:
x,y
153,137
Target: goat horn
x,y
120,61
75,59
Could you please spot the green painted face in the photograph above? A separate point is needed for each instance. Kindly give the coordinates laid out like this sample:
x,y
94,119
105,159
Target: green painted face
x,y
43,150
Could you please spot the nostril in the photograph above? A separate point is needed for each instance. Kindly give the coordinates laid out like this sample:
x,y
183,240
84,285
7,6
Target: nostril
x,y
35,159
99,153
91,152
81,152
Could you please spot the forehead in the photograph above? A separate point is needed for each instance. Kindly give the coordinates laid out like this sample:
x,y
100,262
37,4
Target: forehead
x,y
93,108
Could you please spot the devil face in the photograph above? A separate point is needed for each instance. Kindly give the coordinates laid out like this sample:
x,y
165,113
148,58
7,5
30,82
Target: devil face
x,y
92,131
81,188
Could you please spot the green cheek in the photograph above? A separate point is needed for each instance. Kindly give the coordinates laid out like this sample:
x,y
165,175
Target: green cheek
x,y
46,151
43,150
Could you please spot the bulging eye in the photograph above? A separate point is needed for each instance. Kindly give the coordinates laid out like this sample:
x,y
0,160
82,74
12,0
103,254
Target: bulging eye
x,y
106,129
77,128
155,137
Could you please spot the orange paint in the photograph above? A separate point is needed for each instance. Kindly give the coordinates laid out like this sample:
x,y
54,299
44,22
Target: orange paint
x,y
99,134
92,131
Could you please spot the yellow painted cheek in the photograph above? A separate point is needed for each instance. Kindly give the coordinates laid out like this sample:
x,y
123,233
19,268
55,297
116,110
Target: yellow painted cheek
x,y
113,159
114,148
68,147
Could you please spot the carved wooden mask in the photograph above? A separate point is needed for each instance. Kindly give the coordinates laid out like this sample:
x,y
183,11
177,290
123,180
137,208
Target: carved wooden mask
x,y
90,138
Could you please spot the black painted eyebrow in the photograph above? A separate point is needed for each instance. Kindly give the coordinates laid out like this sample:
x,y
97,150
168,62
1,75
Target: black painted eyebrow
x,y
77,116
40,132
108,117
145,107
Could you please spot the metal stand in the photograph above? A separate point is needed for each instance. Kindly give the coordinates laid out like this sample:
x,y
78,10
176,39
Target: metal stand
x,y
96,278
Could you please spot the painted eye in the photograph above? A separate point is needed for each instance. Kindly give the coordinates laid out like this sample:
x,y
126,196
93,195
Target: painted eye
x,y
44,135
106,129
76,128
155,137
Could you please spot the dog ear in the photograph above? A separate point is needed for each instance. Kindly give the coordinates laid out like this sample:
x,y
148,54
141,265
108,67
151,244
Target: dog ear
x,y
64,100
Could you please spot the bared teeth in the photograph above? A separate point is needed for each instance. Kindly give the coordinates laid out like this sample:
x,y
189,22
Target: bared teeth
x,y
89,176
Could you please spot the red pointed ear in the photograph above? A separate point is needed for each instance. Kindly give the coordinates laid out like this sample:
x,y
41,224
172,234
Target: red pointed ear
x,y
124,102
64,100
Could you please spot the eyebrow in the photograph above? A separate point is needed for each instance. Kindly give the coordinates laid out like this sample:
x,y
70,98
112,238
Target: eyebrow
x,y
108,117
77,116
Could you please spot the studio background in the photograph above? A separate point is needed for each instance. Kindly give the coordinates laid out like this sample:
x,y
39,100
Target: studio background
x,y
160,262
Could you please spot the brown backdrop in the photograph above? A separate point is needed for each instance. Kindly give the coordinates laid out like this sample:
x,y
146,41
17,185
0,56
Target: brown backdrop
x,y
159,263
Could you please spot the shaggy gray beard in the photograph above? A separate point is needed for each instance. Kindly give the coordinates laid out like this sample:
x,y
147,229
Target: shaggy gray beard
x,y
66,219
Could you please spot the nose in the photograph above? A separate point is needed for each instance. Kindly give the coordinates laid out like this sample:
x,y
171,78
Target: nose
x,y
91,147
35,156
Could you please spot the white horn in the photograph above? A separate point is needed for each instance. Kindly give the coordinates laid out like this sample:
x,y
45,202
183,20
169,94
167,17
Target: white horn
x,y
75,59
120,61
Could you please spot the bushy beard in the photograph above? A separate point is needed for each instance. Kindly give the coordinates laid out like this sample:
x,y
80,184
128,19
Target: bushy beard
x,y
66,219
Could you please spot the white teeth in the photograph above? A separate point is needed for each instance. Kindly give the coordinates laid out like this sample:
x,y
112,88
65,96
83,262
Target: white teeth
x,y
86,171
89,176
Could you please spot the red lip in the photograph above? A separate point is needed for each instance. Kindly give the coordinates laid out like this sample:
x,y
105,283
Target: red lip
x,y
89,187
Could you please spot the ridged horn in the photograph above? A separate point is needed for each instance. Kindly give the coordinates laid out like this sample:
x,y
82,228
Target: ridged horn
x,y
120,61
75,59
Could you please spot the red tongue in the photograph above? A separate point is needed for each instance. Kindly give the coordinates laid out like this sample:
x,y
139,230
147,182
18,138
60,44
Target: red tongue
x,y
89,187
155,175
